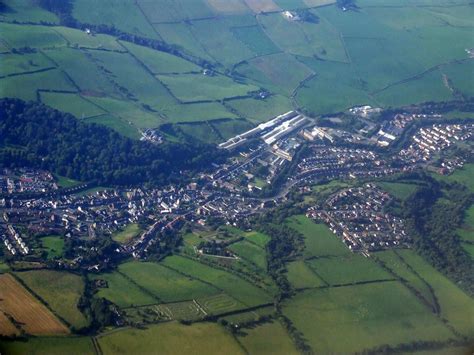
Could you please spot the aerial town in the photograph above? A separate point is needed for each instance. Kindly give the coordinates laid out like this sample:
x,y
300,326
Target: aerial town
x,y
32,204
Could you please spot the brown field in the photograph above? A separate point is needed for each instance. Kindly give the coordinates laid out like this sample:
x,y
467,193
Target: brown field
x,y
258,6
6,327
34,317
316,3
228,6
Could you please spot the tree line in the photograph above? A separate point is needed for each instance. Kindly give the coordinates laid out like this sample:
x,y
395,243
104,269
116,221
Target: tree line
x,y
32,134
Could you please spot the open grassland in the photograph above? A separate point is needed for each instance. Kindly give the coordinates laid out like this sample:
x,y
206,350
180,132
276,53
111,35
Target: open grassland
x,y
463,176
49,346
228,6
261,110
255,39
127,234
199,87
456,306
229,128
250,252
242,290
80,39
346,270
166,284
258,6
219,304
123,292
54,245
60,290
402,270
116,123
26,11
318,239
71,103
354,318
33,316
15,64
168,338
300,275
268,338
399,190
174,10
18,36
461,76
197,112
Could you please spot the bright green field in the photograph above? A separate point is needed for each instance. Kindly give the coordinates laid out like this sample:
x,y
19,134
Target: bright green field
x,y
54,245
345,270
49,346
60,290
319,240
199,87
301,276
21,63
240,289
71,103
456,306
250,252
261,110
350,319
126,235
463,176
399,190
170,338
123,292
168,285
268,338
26,11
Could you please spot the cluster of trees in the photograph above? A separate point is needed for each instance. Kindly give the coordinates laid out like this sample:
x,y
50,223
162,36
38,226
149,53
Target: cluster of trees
x,y
34,135
433,214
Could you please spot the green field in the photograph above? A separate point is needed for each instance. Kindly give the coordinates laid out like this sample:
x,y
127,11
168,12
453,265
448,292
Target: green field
x,y
346,270
250,252
4,267
242,290
301,276
166,284
319,240
167,338
49,346
65,182
261,110
71,103
463,176
268,338
14,64
122,292
127,234
400,190
354,318
54,245
60,290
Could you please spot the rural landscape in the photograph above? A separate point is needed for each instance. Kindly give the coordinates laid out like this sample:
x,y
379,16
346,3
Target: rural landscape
x,y
236,176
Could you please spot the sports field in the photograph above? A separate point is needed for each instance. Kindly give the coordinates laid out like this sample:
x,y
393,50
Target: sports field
x,y
33,317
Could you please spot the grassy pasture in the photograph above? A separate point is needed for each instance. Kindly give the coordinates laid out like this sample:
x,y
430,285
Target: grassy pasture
x,y
54,245
401,269
221,303
124,15
217,39
257,238
26,11
255,39
463,176
182,310
18,36
261,110
350,319
84,71
65,182
49,346
21,63
319,240
60,290
271,71
161,62
197,112
80,39
301,276
174,10
258,6
25,86
199,87
127,234
400,190
167,338
250,252
461,76
117,124
122,292
228,6
71,103
34,317
268,338
456,306
346,270
229,128
168,285
240,289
